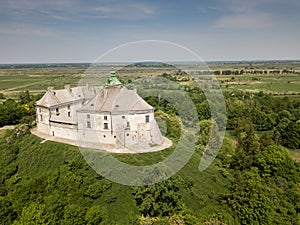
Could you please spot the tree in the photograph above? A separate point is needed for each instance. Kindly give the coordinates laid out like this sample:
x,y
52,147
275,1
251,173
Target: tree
x,y
291,136
32,214
94,215
262,120
74,214
160,199
203,110
205,130
24,97
275,161
248,145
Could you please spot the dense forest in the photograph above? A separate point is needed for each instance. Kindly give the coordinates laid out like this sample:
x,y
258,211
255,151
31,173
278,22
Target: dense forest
x,y
253,180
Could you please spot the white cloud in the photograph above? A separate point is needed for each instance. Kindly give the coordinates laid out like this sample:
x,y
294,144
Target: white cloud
x,y
27,30
246,21
67,10
124,10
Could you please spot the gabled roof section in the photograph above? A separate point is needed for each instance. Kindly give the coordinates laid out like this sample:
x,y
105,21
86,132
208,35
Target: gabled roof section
x,y
116,99
55,97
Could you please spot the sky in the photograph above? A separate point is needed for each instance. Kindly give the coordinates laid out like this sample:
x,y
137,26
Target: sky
x,y
38,31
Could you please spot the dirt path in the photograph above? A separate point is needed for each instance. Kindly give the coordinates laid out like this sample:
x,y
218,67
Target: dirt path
x,y
8,127
9,90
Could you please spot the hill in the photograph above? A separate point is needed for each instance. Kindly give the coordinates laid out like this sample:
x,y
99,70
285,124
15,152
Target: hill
x,y
53,180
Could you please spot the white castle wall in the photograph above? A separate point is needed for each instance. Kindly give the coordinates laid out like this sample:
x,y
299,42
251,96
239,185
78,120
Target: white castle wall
x,y
122,130
63,131
66,113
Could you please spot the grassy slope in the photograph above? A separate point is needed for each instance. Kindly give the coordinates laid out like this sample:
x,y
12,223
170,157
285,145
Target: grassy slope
x,y
41,160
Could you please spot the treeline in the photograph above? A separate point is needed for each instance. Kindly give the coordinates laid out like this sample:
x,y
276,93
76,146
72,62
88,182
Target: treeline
x,y
229,72
252,71
277,118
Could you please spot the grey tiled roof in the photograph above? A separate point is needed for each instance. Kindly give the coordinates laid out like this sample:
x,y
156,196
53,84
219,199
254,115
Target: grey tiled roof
x,y
56,97
116,99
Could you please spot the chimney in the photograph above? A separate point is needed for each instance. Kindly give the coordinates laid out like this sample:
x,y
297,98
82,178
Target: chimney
x,y
68,87
50,89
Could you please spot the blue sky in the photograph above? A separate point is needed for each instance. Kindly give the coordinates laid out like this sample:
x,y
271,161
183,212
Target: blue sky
x,y
80,31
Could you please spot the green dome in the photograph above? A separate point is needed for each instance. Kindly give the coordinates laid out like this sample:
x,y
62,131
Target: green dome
x,y
112,80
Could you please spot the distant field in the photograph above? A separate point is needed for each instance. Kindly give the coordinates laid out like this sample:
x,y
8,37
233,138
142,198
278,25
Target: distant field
x,y
268,83
36,79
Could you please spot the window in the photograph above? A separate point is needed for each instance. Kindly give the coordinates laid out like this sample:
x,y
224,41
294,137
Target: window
x,y
105,126
69,114
105,117
88,116
104,136
41,117
123,117
88,124
69,106
128,125
147,119
40,110
127,134
57,111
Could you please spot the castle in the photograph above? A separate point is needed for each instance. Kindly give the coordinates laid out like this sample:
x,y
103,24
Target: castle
x,y
111,118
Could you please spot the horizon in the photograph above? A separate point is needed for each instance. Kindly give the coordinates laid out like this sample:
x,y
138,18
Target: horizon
x,y
171,62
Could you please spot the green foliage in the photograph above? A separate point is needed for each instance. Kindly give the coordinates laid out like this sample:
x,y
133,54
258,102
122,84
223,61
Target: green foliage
x,y
12,112
275,161
94,215
249,199
203,110
262,120
291,136
173,124
205,130
7,212
248,145
161,199
74,214
32,214
265,186
25,97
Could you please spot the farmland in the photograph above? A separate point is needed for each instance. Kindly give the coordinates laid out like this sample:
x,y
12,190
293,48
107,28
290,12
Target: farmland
x,y
37,78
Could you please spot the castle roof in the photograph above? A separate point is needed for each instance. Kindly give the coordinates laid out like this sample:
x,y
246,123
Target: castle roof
x,y
56,97
112,98
116,99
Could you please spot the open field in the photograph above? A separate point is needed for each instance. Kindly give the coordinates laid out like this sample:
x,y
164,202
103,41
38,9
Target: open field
x,y
36,79
277,84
